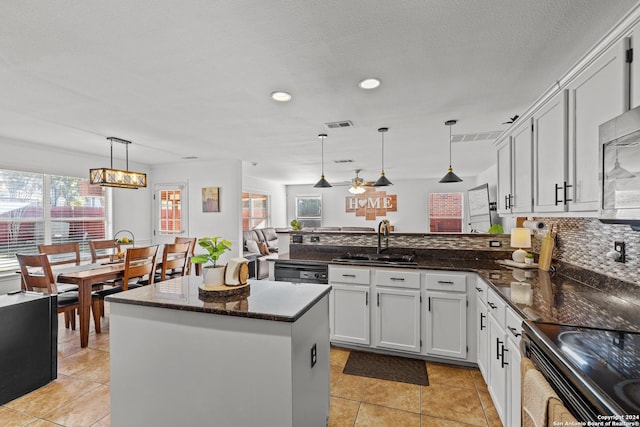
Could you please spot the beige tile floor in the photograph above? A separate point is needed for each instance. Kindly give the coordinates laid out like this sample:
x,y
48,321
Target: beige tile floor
x,y
80,396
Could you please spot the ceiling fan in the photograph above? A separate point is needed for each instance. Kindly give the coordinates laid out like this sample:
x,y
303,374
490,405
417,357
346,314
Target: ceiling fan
x,y
357,184
511,120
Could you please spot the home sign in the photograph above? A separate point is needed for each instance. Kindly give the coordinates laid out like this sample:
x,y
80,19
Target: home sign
x,y
371,204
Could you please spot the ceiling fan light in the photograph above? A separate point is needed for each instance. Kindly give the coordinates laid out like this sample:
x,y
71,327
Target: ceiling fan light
x,y
356,189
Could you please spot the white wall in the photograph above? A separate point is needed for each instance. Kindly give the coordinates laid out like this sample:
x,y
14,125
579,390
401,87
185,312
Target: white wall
x,y
411,216
276,191
225,174
132,208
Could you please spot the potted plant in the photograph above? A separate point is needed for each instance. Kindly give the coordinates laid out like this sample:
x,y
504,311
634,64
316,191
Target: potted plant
x,y
213,274
296,225
528,258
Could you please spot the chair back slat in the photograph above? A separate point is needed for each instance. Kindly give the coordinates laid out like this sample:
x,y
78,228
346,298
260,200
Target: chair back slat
x,y
103,249
64,253
192,249
174,258
139,262
36,273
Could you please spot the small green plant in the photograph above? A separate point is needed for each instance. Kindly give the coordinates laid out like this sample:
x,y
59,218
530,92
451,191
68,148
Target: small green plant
x,y
296,225
529,255
496,229
215,247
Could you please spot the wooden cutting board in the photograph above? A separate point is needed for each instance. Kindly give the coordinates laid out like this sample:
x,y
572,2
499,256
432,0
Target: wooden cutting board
x,y
546,250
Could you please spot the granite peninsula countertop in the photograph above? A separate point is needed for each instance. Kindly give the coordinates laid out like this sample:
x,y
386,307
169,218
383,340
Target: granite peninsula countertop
x,y
570,295
266,300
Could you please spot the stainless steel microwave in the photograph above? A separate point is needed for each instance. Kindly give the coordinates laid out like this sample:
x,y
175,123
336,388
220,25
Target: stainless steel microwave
x,y
620,169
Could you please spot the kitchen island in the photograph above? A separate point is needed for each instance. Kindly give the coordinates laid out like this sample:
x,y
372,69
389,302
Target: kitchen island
x,y
259,358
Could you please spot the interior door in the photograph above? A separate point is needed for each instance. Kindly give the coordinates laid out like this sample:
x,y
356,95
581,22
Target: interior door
x,y
171,216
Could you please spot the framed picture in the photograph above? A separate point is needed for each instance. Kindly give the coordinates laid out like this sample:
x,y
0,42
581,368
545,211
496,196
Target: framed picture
x,y
211,199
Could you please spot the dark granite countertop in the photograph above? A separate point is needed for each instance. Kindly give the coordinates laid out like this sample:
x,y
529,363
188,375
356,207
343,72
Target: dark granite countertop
x,y
571,295
266,300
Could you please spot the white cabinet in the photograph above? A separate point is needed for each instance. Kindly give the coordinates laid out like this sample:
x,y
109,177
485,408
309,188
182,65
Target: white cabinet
x,y
515,171
397,311
513,332
446,315
497,380
349,308
482,329
504,178
598,94
550,137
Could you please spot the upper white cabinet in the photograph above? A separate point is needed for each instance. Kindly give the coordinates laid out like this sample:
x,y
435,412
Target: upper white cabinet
x,y
504,178
550,132
515,171
634,68
598,94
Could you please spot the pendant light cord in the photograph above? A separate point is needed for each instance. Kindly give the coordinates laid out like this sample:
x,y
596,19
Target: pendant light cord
x,y
450,145
322,142
382,152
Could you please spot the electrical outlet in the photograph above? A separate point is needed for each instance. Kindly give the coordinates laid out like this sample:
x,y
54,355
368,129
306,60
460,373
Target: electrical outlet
x,y
494,243
315,239
620,248
314,355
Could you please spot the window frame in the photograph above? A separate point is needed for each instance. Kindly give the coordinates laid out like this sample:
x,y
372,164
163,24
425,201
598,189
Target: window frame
x,y
310,220
461,218
250,218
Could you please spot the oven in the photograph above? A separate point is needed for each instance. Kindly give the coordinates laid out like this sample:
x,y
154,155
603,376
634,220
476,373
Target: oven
x,y
596,372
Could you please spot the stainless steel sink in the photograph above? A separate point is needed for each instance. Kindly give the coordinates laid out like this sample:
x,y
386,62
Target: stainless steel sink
x,y
393,259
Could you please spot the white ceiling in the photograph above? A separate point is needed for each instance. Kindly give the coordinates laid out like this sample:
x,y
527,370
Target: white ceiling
x,y
194,77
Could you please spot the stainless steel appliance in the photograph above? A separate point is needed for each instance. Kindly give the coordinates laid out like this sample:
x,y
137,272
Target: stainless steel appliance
x,y
620,169
301,272
594,371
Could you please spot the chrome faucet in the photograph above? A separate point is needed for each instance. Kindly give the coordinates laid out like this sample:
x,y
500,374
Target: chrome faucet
x,y
383,228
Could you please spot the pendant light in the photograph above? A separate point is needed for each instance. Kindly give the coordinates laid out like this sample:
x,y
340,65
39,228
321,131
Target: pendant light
x,y
450,176
382,181
323,183
110,177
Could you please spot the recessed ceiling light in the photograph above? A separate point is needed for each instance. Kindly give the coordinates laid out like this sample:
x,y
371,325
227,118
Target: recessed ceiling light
x,y
281,96
369,83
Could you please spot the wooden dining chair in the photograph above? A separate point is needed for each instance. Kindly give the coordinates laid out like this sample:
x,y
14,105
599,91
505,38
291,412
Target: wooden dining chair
x,y
38,277
60,255
138,263
174,260
192,249
103,249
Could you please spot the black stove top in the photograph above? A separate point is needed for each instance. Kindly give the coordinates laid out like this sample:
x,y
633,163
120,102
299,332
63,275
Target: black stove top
x,y
610,359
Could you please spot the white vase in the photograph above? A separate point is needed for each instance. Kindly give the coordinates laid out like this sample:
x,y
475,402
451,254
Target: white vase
x,y
213,276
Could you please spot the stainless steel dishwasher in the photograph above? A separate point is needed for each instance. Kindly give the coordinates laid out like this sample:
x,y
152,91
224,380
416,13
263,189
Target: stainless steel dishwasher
x,y
301,272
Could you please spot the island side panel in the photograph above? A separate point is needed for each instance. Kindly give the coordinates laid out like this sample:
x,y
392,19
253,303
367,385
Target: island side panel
x,y
172,367
311,385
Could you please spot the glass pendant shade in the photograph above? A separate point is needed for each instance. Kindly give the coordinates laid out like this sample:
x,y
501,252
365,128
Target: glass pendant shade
x,y
450,176
322,183
383,181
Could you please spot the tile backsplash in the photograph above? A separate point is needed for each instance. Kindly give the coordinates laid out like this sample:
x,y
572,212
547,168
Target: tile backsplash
x,y
584,242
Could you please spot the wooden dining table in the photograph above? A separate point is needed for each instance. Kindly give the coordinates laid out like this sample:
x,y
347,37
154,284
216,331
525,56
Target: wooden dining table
x,y
86,276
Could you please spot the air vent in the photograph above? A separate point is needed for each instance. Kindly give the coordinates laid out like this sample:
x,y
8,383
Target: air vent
x,y
474,137
340,124
343,161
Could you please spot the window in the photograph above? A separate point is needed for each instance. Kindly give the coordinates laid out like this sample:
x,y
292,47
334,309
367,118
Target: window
x,y
38,208
255,211
309,211
170,211
445,212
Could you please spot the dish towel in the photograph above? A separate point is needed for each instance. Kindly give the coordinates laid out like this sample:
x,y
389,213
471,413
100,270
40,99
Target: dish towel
x,y
536,393
559,415
231,277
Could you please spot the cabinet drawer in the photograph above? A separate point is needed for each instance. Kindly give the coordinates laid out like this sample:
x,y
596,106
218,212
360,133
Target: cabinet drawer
x,y
496,307
446,282
514,325
398,279
480,290
358,276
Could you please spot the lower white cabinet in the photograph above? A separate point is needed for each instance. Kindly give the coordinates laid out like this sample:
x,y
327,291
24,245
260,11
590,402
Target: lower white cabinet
x,y
349,321
446,324
497,379
514,382
482,329
397,317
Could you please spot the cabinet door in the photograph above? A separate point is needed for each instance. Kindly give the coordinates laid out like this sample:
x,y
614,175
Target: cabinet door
x,y
504,178
599,94
398,319
522,171
550,137
634,67
446,324
514,383
497,383
349,311
482,337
